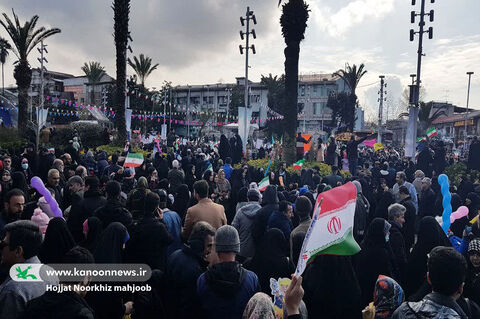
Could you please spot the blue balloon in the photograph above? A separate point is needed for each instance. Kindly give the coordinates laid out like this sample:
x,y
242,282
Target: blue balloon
x,y
447,201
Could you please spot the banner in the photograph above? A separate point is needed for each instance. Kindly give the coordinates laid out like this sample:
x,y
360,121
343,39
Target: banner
x,y
411,136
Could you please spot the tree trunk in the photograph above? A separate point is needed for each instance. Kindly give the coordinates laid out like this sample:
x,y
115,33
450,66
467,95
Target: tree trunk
x,y
121,9
291,52
23,75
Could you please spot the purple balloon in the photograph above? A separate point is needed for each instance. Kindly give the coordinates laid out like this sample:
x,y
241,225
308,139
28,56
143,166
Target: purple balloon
x,y
40,187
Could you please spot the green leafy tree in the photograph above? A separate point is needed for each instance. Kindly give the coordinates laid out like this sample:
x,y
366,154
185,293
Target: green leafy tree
x,y
143,67
24,39
276,101
343,110
426,117
351,75
295,14
121,11
4,48
94,72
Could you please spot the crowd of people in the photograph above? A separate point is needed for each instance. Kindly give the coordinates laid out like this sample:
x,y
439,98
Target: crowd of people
x,y
196,216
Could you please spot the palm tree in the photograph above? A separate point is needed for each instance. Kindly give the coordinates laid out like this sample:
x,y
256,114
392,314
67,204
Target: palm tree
x,y
142,67
4,47
294,18
94,72
24,38
121,11
351,76
424,116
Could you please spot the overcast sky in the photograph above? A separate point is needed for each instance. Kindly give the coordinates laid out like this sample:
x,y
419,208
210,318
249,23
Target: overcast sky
x,y
196,42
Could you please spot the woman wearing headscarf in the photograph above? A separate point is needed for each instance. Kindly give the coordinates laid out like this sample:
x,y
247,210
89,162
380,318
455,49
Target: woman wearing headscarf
x,y
472,282
269,205
152,178
387,297
270,259
210,177
222,189
92,229
110,305
224,149
136,199
383,198
19,181
58,241
182,200
190,177
5,183
342,299
472,201
260,306
375,258
430,235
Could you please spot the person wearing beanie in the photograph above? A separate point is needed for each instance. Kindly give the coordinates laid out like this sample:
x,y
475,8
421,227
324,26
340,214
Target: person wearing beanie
x,y
41,219
243,222
113,211
225,289
303,209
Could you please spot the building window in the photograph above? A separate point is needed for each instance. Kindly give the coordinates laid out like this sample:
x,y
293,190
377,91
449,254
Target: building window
x,y
318,108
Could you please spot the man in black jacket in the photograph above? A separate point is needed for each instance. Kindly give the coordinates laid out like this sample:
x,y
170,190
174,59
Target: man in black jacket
x,y
70,302
184,267
80,211
113,211
396,218
446,274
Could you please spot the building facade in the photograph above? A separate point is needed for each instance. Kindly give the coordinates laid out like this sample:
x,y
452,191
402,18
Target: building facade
x,y
313,93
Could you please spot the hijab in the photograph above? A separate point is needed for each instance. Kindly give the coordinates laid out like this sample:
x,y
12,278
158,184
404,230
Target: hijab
x,y
19,181
376,233
182,199
387,297
93,228
58,241
109,249
260,306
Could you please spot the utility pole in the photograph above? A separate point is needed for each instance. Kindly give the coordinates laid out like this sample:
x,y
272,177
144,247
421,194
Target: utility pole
x,y
104,98
466,113
229,91
42,60
415,89
380,107
246,35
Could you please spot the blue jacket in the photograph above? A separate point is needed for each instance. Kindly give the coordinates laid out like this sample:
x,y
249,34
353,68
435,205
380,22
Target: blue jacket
x,y
225,289
228,170
280,221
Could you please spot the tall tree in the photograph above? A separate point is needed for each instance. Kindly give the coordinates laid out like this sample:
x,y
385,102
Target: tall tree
x,y
276,101
294,18
94,72
143,67
24,38
4,47
425,118
351,75
121,11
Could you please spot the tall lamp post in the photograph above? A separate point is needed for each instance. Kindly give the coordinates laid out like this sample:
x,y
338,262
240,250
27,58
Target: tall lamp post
x,y
415,89
470,73
246,35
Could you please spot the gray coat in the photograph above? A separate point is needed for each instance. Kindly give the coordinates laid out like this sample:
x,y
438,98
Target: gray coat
x,y
14,295
243,222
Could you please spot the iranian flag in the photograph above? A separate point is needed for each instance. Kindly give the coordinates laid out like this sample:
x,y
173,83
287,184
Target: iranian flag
x,y
263,184
133,160
299,164
431,132
421,139
331,229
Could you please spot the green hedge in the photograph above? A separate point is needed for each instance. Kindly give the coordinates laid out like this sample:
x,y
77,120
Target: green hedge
x,y
10,139
325,169
111,149
455,173
91,135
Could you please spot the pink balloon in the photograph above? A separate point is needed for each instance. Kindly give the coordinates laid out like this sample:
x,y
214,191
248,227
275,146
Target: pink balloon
x,y
461,212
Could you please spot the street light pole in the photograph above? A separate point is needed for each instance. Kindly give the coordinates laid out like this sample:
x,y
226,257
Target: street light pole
x,y
466,113
415,89
248,16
